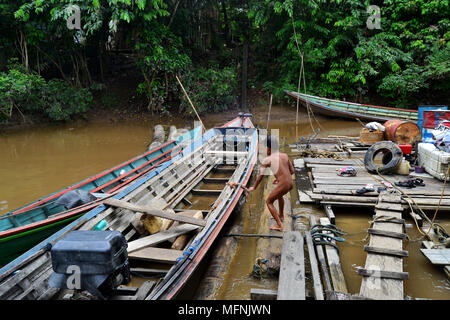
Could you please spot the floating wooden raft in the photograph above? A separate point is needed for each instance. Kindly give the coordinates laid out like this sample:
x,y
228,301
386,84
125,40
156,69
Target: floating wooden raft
x,y
326,187
383,272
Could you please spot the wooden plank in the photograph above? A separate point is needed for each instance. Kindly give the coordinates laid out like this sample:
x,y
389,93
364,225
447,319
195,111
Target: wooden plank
x,y
160,237
330,214
318,289
437,256
154,212
145,289
385,254
348,162
227,153
156,255
429,245
383,274
386,251
125,290
291,283
334,264
215,180
391,234
416,217
199,192
122,298
262,294
322,260
148,271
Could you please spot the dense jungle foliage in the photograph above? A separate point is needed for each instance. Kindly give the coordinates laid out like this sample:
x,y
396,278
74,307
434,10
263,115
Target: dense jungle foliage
x,y
56,55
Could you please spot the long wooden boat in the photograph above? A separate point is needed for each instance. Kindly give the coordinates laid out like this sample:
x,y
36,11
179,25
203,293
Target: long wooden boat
x,y
24,227
344,109
194,181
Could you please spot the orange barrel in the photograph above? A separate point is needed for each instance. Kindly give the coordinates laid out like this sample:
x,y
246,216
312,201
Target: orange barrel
x,y
402,132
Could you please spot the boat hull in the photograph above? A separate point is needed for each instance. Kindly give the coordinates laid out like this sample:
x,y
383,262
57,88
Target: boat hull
x,y
29,232
350,110
156,185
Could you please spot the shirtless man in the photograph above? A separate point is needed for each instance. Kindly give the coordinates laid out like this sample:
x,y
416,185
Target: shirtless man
x,y
283,169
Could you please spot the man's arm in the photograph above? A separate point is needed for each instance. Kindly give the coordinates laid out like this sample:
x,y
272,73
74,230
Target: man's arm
x,y
264,165
291,167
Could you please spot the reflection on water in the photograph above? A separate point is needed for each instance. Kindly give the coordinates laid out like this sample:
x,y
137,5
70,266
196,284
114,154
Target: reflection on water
x,y
39,161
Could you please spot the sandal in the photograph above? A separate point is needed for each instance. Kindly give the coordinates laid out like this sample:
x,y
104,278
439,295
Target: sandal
x,y
367,188
418,182
409,184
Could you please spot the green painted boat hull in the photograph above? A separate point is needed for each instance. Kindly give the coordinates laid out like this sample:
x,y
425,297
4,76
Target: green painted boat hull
x,y
13,246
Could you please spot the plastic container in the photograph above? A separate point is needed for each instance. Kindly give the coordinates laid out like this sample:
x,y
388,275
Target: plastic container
x,y
403,167
434,161
406,148
94,252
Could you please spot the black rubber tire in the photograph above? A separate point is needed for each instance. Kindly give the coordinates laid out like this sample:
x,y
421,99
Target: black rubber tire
x,y
391,158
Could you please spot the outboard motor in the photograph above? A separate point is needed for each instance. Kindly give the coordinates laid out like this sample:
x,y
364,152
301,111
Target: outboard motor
x,y
95,261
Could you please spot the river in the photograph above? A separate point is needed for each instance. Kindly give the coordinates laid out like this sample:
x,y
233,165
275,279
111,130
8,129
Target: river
x,y
41,160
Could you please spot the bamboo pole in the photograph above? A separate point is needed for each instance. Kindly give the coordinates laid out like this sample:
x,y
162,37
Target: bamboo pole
x,y
268,116
192,105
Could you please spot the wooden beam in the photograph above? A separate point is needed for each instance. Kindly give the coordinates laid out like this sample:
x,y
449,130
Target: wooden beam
x,y
154,212
145,289
386,251
384,233
318,289
160,237
383,274
440,257
156,255
262,294
322,260
330,214
199,192
334,264
291,284
215,180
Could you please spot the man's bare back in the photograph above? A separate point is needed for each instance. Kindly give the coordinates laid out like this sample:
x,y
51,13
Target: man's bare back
x,y
282,168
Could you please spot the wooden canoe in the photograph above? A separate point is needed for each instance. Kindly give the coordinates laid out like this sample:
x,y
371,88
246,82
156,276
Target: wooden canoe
x,y
171,186
344,109
24,227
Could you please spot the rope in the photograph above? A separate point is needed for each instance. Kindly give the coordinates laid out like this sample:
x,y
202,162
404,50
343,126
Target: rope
x,y
410,200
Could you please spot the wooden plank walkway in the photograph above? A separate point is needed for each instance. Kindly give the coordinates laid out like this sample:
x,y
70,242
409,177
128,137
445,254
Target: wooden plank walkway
x,y
291,284
383,272
326,187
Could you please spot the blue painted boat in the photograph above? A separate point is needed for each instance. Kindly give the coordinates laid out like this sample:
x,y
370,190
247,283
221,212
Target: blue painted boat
x,y
231,148
24,227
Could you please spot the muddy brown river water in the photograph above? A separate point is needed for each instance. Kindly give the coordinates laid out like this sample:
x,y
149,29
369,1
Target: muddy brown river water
x,y
38,161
